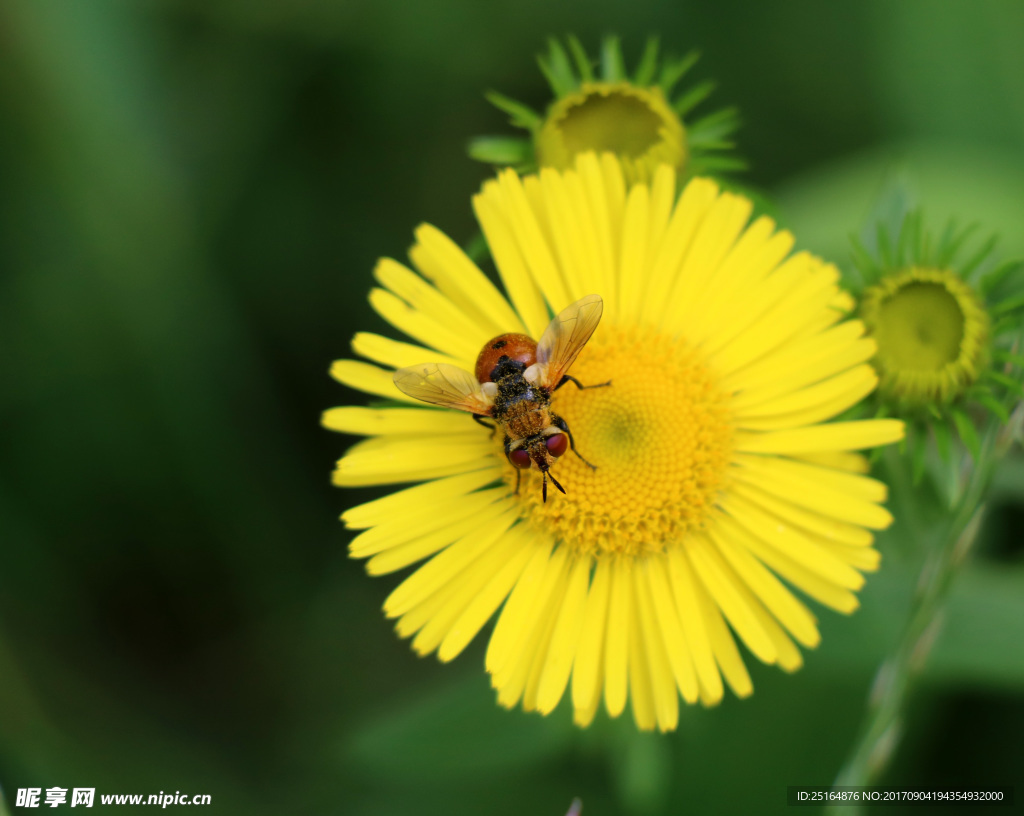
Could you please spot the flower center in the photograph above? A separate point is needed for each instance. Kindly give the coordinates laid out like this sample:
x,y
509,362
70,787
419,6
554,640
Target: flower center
x,y
634,123
660,436
931,332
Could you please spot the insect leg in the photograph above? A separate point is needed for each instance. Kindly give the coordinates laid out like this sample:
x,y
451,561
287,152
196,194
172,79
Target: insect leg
x,y
519,473
560,423
479,419
569,378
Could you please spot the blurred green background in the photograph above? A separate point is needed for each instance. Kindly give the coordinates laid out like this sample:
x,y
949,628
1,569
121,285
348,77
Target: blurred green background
x,y
192,197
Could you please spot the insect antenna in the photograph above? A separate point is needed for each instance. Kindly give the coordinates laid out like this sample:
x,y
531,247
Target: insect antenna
x,y
554,481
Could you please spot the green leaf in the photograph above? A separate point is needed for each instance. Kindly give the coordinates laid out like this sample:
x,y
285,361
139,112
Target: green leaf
x,y
922,240
674,70
477,249
1007,381
707,143
884,247
579,55
504,150
990,281
715,125
522,115
648,63
697,94
642,771
984,628
456,733
1009,305
979,643
978,258
918,448
1007,323
967,432
863,261
613,68
910,233
558,70
995,406
705,164
989,183
1008,357
951,242
943,439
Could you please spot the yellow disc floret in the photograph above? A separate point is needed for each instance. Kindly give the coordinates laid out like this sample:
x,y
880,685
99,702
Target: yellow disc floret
x,y
932,334
636,124
660,437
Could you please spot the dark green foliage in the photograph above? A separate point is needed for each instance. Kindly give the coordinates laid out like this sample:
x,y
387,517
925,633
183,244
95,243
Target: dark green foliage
x,y
193,197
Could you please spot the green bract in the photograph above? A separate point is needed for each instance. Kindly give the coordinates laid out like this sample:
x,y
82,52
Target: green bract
x,y
639,116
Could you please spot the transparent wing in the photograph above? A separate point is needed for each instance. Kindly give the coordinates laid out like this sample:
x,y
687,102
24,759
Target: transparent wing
x,y
566,336
445,385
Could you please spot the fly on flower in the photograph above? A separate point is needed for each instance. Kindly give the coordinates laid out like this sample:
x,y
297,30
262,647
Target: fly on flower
x,y
515,378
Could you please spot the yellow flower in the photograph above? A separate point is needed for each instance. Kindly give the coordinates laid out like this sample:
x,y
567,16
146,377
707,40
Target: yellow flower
x,y
718,487
635,123
948,332
637,116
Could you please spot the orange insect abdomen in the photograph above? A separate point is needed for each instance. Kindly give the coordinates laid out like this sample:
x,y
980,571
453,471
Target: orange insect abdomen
x,y
514,346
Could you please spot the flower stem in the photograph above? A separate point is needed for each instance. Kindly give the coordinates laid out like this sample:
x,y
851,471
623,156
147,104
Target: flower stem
x,y
881,731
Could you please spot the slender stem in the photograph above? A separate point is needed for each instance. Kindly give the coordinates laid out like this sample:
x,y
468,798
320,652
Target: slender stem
x,y
894,680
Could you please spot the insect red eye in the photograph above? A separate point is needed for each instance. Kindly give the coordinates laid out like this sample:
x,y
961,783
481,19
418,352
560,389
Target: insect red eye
x,y
557,444
520,458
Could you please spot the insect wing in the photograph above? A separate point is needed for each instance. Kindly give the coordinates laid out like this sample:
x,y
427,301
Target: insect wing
x,y
566,336
445,385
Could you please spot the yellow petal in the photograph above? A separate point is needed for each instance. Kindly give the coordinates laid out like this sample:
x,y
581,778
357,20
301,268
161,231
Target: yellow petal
x,y
443,568
391,459
588,668
396,354
493,594
368,378
676,648
402,555
412,503
499,231
791,542
438,516
427,300
721,585
825,493
620,623
565,639
694,626
425,328
520,607
722,644
836,436
796,617
661,679
633,259
640,688
690,212
374,421
444,262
